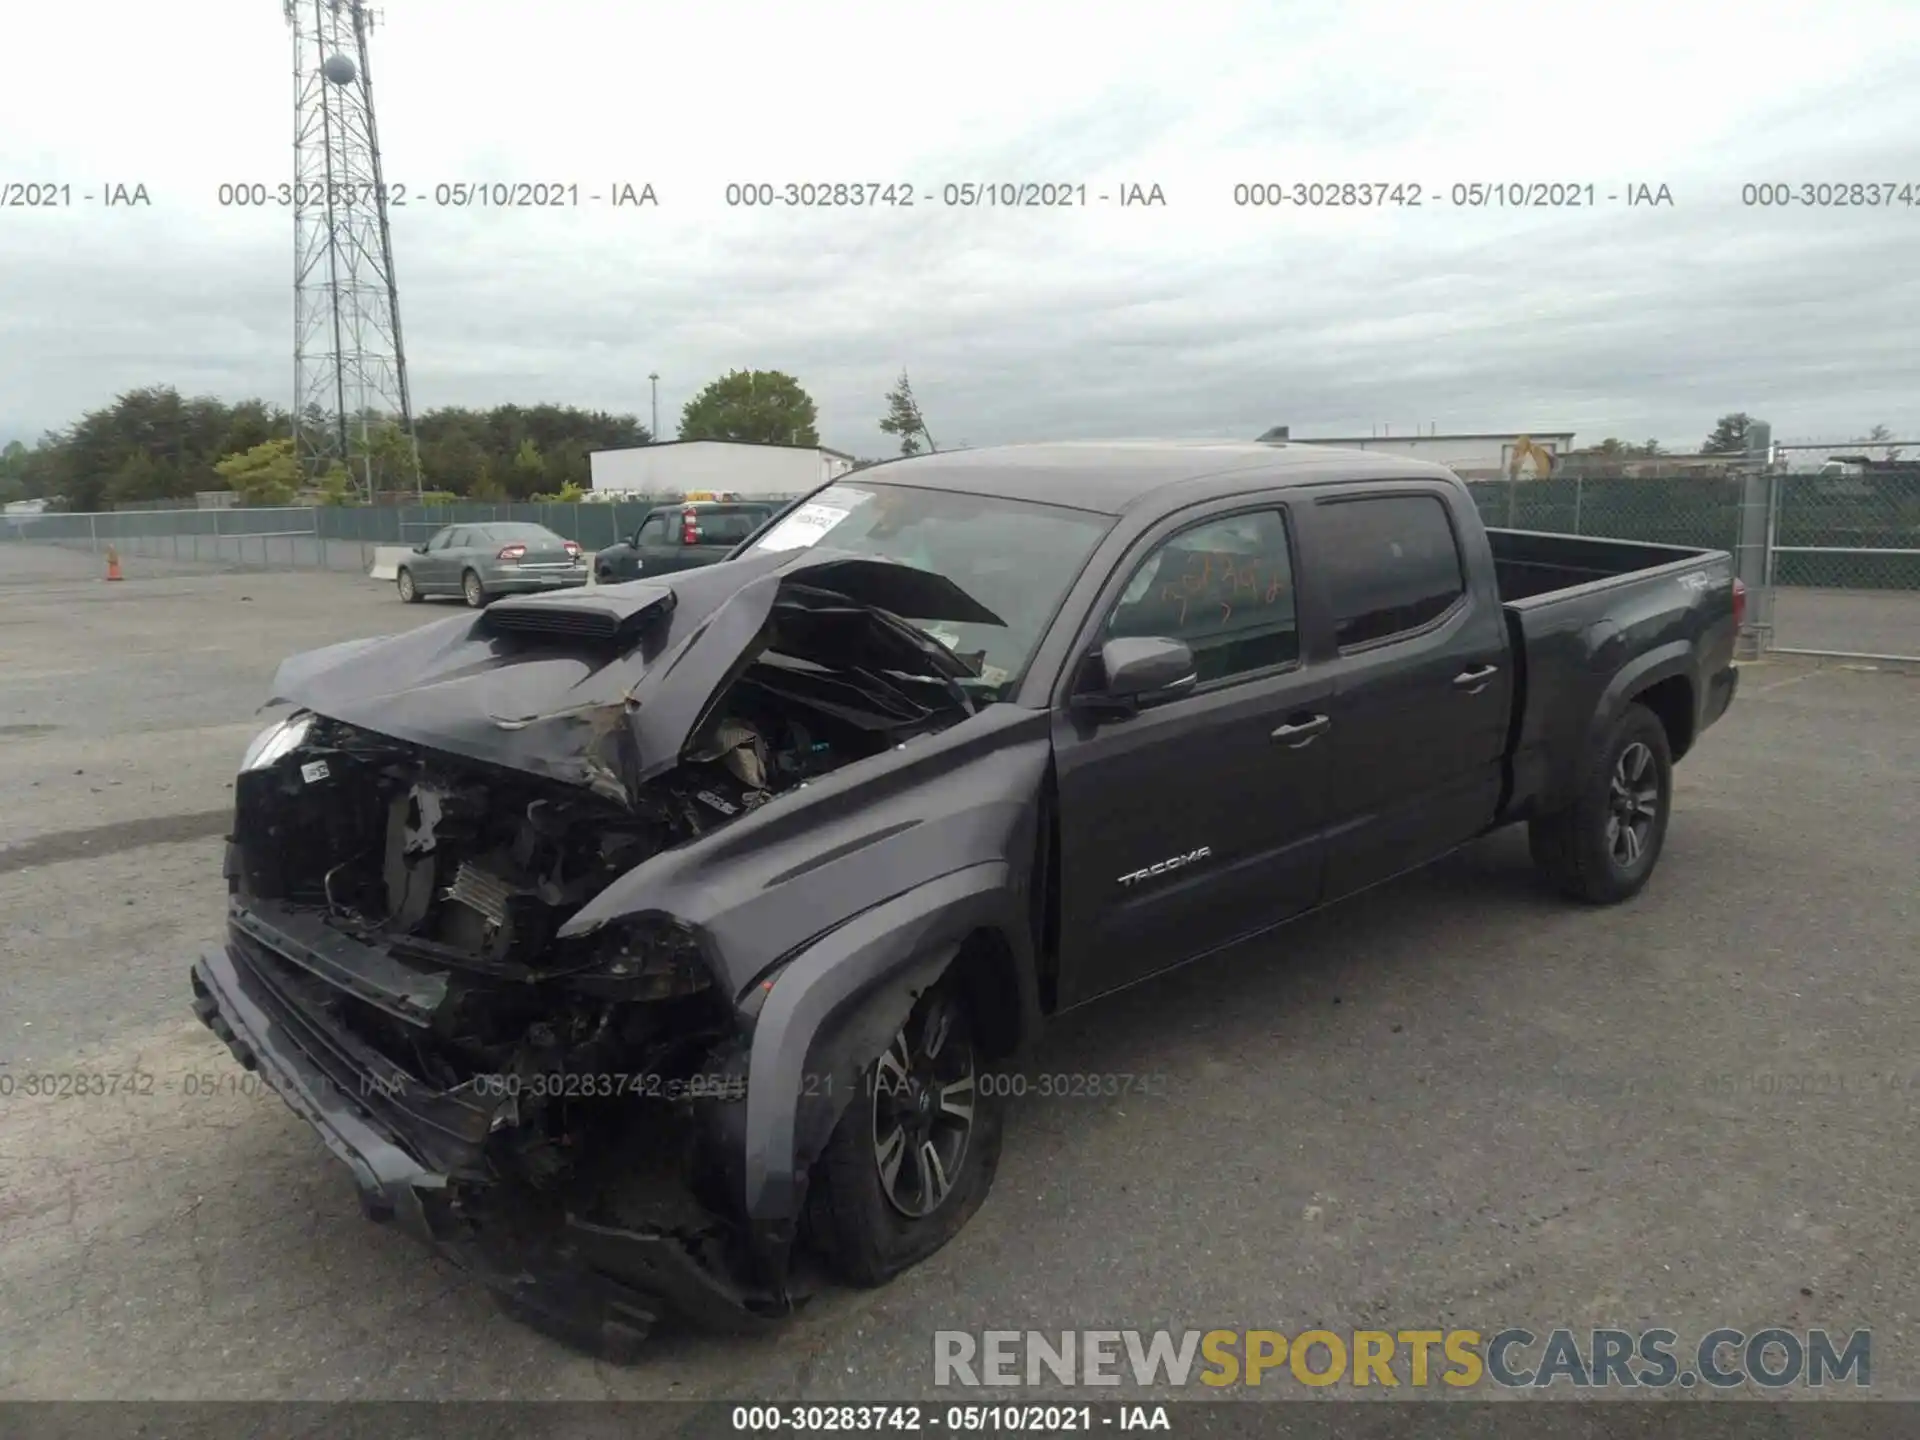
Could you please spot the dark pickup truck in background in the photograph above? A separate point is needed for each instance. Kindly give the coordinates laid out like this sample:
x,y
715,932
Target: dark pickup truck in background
x,y
680,537
633,944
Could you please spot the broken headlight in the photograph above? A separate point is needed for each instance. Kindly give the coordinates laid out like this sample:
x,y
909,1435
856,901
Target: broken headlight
x,y
651,957
276,742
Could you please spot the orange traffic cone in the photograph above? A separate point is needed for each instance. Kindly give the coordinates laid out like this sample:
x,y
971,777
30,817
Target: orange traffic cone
x,y
113,563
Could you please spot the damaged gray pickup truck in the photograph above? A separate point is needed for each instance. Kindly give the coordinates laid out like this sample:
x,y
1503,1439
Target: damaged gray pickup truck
x,y
639,946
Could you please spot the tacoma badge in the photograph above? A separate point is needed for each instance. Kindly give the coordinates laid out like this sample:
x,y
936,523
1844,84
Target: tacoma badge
x,y
1166,867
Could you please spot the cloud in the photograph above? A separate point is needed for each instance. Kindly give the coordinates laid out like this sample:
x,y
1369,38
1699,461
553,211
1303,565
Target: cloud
x,y
1199,317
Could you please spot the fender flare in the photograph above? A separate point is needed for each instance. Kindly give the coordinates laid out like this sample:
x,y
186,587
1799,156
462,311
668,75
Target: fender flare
x,y
1663,663
838,1003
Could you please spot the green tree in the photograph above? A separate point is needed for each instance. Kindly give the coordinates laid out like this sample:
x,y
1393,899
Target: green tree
x,y
528,473
1729,435
568,466
390,454
486,488
14,461
337,486
764,406
267,474
903,418
1880,435
137,479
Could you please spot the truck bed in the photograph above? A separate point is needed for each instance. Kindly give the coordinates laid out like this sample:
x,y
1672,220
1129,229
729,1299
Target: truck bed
x,y
1577,608
1530,564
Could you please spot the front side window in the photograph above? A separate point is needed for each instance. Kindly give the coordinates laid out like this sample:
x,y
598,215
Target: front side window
x,y
653,532
1392,565
442,540
1225,588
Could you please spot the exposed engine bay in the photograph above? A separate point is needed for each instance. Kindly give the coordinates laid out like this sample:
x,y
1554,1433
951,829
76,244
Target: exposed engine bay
x,y
425,891
508,895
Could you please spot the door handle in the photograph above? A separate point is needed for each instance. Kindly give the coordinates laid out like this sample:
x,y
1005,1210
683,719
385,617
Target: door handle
x,y
1474,681
1294,736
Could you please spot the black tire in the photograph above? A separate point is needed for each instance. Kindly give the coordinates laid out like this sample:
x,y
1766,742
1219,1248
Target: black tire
x,y
603,576
409,592
862,1231
1603,847
473,591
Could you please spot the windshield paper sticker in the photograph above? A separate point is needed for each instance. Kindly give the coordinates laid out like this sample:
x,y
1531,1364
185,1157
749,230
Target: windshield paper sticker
x,y
814,519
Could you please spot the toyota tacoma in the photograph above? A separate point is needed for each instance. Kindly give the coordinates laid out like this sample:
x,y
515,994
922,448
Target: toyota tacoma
x,y
643,947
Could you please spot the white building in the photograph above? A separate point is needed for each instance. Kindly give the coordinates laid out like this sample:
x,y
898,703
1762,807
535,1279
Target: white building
x,y
737,467
1472,457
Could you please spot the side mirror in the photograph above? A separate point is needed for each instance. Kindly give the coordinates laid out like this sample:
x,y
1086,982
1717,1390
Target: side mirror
x,y
1141,669
421,548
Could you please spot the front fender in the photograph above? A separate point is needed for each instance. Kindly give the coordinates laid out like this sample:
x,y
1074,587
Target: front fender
x,y
835,1007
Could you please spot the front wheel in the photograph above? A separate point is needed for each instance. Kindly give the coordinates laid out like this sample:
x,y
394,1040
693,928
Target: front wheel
x,y
914,1154
475,592
1603,847
409,592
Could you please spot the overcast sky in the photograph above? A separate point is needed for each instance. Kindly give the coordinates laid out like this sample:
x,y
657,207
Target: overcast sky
x,y
1196,318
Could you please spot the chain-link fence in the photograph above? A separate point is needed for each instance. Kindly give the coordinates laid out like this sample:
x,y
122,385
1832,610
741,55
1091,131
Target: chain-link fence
x,y
325,537
1831,560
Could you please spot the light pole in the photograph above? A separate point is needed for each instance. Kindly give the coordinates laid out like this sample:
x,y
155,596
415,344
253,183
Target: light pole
x,y
654,380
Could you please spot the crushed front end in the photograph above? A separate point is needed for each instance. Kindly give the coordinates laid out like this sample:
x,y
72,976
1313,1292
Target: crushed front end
x,y
561,1115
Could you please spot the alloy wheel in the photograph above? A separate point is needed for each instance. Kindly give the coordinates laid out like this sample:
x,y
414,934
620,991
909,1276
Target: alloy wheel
x,y
923,1094
475,595
1633,805
406,585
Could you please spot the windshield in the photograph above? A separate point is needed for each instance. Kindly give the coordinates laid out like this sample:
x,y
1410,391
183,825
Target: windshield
x,y
1015,557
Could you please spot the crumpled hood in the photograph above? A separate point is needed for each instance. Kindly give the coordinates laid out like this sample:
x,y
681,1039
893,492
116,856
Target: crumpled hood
x,y
603,687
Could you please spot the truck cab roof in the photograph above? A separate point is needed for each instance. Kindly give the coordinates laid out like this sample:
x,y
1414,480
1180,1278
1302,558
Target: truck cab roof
x,y
1111,477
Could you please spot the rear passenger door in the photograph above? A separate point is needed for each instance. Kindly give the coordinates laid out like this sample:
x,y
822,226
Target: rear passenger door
x,y
460,553
1422,683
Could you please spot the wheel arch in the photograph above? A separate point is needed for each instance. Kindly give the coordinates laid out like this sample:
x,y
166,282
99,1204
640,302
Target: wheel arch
x,y
1673,702
836,1005
1661,679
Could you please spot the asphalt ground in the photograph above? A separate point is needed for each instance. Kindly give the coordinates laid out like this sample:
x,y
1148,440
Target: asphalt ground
x,y
1459,1101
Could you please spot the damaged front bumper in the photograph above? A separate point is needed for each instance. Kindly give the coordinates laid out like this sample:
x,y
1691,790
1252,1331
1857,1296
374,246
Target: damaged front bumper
x,y
419,1160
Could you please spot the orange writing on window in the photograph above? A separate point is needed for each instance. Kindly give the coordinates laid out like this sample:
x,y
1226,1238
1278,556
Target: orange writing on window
x,y
1238,575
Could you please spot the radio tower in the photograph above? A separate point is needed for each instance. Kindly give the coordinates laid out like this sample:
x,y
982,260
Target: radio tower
x,y
349,365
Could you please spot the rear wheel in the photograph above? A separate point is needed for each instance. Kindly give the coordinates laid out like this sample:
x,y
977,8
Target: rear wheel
x,y
915,1153
409,593
1603,847
475,592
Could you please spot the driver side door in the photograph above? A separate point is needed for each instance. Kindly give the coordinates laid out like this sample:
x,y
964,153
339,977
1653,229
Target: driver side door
x,y
1197,821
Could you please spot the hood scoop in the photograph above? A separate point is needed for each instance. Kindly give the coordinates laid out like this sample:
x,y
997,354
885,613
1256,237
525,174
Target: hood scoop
x,y
615,614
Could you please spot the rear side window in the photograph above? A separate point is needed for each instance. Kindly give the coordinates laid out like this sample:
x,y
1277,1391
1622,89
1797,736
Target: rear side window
x,y
1392,565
